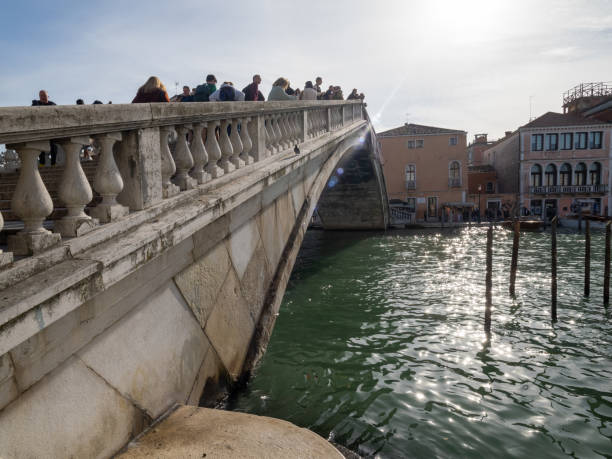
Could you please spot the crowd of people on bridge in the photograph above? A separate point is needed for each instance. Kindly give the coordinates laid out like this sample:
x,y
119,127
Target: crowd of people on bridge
x,y
154,91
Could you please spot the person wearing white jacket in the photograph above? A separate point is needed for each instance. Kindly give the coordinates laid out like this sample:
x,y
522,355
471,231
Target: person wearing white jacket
x,y
309,92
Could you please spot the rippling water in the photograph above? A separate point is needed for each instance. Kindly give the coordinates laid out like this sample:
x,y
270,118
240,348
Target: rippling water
x,y
379,345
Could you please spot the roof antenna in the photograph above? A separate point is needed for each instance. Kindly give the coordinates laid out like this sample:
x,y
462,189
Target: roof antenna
x,y
530,99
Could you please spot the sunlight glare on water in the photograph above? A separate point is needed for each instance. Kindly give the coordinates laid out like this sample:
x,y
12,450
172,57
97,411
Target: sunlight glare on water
x,y
379,345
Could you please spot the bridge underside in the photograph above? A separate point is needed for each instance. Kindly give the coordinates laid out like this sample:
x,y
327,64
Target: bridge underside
x,y
172,307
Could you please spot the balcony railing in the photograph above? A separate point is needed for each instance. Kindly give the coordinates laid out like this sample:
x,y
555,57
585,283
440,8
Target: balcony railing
x,y
138,165
410,184
454,182
568,189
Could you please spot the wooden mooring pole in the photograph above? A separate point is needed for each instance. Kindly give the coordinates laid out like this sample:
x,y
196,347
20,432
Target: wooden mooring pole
x,y
606,292
553,269
515,252
489,279
587,258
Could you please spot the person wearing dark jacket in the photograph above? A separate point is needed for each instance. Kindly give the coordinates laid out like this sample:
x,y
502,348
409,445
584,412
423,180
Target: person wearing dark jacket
x,y
43,99
252,92
203,91
152,91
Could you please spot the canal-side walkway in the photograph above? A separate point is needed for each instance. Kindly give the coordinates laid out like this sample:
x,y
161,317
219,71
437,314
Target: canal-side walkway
x,y
192,432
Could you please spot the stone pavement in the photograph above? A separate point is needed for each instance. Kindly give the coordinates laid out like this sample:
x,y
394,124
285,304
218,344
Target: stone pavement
x,y
192,432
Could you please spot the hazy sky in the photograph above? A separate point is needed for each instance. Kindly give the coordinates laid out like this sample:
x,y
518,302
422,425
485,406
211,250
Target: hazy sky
x,y
459,64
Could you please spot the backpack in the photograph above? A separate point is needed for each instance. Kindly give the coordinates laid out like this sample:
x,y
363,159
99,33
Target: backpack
x,y
201,93
227,94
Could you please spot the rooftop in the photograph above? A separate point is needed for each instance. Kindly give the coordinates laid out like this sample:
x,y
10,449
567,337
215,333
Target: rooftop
x,y
552,119
417,129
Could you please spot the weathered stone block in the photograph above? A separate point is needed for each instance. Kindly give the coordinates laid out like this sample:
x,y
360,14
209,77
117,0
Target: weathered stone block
x,y
242,244
230,327
270,235
297,195
285,217
109,213
210,236
201,282
152,356
256,280
95,420
5,258
8,388
32,244
209,371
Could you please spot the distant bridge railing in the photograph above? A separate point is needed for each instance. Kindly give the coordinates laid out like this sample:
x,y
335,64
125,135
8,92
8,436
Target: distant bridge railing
x,y
147,153
568,189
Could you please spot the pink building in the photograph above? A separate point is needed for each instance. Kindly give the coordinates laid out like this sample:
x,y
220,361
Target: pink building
x,y
564,165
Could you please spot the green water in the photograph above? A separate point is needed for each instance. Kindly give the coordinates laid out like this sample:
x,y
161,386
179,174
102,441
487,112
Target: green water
x,y
379,345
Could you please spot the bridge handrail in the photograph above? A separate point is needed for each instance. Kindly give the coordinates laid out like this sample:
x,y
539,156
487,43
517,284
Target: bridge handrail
x,y
138,165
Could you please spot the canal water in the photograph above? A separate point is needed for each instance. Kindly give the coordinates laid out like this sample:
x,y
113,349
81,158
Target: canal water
x,y
379,346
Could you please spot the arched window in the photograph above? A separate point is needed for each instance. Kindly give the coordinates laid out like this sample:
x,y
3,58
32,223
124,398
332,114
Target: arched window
x,y
595,174
536,175
580,174
550,175
454,173
565,174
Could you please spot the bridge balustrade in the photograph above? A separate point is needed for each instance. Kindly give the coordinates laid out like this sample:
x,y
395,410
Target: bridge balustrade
x,y
146,153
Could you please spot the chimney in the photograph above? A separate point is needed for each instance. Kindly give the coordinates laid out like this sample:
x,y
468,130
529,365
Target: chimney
x,y
508,133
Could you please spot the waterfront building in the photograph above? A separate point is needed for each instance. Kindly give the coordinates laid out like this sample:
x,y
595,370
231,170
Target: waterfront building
x,y
476,149
426,167
564,165
493,184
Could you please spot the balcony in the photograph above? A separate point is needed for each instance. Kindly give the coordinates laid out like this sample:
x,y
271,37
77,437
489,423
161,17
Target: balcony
x,y
454,182
568,189
411,184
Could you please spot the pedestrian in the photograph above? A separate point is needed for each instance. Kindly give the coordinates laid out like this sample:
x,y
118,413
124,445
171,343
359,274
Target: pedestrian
x,y
43,99
317,86
353,95
278,90
203,91
337,94
309,92
152,91
186,96
252,92
226,93
80,102
329,94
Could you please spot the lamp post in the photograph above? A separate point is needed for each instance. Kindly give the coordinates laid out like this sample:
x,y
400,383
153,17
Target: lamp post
x,y
479,190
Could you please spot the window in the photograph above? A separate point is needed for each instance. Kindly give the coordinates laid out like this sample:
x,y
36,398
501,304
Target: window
x,y
595,140
595,174
536,207
550,175
411,144
411,204
536,175
550,142
537,142
489,187
454,174
410,176
565,174
566,141
452,140
580,174
581,140
419,143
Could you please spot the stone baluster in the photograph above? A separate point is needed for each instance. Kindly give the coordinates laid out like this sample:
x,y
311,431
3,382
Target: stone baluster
x,y
283,141
31,203
258,136
272,147
5,257
247,143
183,159
237,147
309,124
226,147
267,136
108,182
200,156
74,191
168,168
213,149
293,129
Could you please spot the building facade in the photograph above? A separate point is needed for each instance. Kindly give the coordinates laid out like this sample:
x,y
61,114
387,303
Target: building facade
x,y
564,165
426,167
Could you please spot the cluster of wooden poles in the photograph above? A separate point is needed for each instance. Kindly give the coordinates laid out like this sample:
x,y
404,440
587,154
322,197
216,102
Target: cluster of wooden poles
x,y
553,267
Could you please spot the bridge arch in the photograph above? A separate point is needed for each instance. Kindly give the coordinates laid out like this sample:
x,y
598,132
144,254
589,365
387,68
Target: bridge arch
x,y
164,305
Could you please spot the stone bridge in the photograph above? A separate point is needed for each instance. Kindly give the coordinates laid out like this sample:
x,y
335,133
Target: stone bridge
x,y
161,285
